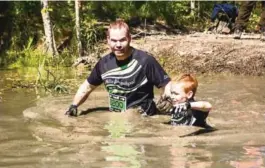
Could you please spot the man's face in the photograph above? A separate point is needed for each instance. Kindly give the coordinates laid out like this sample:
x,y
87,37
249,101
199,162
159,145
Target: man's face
x,y
119,43
178,94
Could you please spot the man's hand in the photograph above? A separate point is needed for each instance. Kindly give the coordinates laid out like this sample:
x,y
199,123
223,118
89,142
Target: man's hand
x,y
72,111
164,105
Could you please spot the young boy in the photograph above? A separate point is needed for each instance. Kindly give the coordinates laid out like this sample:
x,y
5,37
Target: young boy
x,y
187,111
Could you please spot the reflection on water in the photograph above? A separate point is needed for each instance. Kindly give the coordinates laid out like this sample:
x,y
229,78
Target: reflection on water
x,y
122,155
251,157
118,127
190,157
38,134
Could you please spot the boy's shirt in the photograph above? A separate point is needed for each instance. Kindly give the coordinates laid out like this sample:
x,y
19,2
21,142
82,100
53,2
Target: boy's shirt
x,y
188,117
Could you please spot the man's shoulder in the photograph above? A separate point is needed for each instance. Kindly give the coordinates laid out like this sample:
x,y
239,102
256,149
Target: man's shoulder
x,y
142,55
106,57
141,52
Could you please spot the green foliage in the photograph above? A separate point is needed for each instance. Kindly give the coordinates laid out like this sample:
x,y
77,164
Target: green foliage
x,y
91,34
45,10
24,23
47,66
28,57
22,26
23,34
50,79
63,18
255,16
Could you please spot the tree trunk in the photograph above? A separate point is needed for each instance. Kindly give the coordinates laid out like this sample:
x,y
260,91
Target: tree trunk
x,y
49,36
192,7
77,27
199,9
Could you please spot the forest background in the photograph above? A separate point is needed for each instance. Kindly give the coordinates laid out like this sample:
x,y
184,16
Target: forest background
x,y
45,34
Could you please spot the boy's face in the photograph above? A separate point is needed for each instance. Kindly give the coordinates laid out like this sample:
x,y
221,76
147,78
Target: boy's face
x,y
178,94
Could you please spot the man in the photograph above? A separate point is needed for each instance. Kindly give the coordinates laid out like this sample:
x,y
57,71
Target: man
x,y
127,73
243,17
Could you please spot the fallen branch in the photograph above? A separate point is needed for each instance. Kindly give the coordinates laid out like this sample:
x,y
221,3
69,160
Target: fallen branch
x,y
91,59
143,34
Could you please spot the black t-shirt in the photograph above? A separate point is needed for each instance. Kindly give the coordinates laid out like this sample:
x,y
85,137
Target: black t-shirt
x,y
133,79
195,117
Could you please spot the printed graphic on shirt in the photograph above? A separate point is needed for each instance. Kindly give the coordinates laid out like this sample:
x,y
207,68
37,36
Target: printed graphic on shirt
x,y
124,79
181,117
117,103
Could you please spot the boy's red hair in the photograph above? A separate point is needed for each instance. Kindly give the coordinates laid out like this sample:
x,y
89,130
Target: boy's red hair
x,y
190,82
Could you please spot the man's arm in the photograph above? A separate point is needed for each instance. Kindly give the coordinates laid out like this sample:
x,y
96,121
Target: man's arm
x,y
164,104
166,90
82,93
85,89
80,97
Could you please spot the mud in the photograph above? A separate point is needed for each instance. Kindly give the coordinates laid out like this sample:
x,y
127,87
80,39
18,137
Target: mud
x,y
42,136
238,117
206,53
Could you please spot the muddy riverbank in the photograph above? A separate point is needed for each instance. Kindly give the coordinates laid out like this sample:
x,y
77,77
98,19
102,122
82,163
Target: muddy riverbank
x,y
203,53
207,53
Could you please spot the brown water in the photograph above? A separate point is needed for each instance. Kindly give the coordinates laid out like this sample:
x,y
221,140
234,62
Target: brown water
x,y
38,134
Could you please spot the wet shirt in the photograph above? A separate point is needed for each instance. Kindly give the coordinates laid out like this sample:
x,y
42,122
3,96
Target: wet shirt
x,y
188,117
129,82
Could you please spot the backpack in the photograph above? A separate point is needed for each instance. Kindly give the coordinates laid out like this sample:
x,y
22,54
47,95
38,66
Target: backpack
x,y
225,14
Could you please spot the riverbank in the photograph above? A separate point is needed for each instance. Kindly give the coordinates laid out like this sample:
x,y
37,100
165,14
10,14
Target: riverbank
x,y
202,53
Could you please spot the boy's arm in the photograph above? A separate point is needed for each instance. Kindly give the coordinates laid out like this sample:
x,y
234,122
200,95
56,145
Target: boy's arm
x,y
201,105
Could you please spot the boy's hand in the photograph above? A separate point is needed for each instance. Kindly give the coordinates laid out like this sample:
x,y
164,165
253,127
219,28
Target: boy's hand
x,y
72,111
164,105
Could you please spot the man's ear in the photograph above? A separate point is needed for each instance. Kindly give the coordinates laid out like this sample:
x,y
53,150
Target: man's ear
x,y
190,94
129,38
108,39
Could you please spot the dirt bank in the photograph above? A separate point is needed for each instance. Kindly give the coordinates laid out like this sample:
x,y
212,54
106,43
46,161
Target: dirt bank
x,y
206,53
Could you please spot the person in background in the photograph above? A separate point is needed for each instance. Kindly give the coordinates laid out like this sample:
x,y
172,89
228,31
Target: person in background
x,y
243,17
224,12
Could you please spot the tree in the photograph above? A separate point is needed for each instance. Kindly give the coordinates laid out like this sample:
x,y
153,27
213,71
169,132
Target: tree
x,y
192,7
49,36
77,27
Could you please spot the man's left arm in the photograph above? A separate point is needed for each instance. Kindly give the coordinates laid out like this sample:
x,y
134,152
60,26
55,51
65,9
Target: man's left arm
x,y
166,90
157,75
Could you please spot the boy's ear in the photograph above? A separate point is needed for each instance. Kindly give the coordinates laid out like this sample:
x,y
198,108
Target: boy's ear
x,y
190,94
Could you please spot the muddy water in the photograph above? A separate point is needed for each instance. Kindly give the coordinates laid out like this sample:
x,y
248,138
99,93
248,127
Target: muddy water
x,y
38,134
